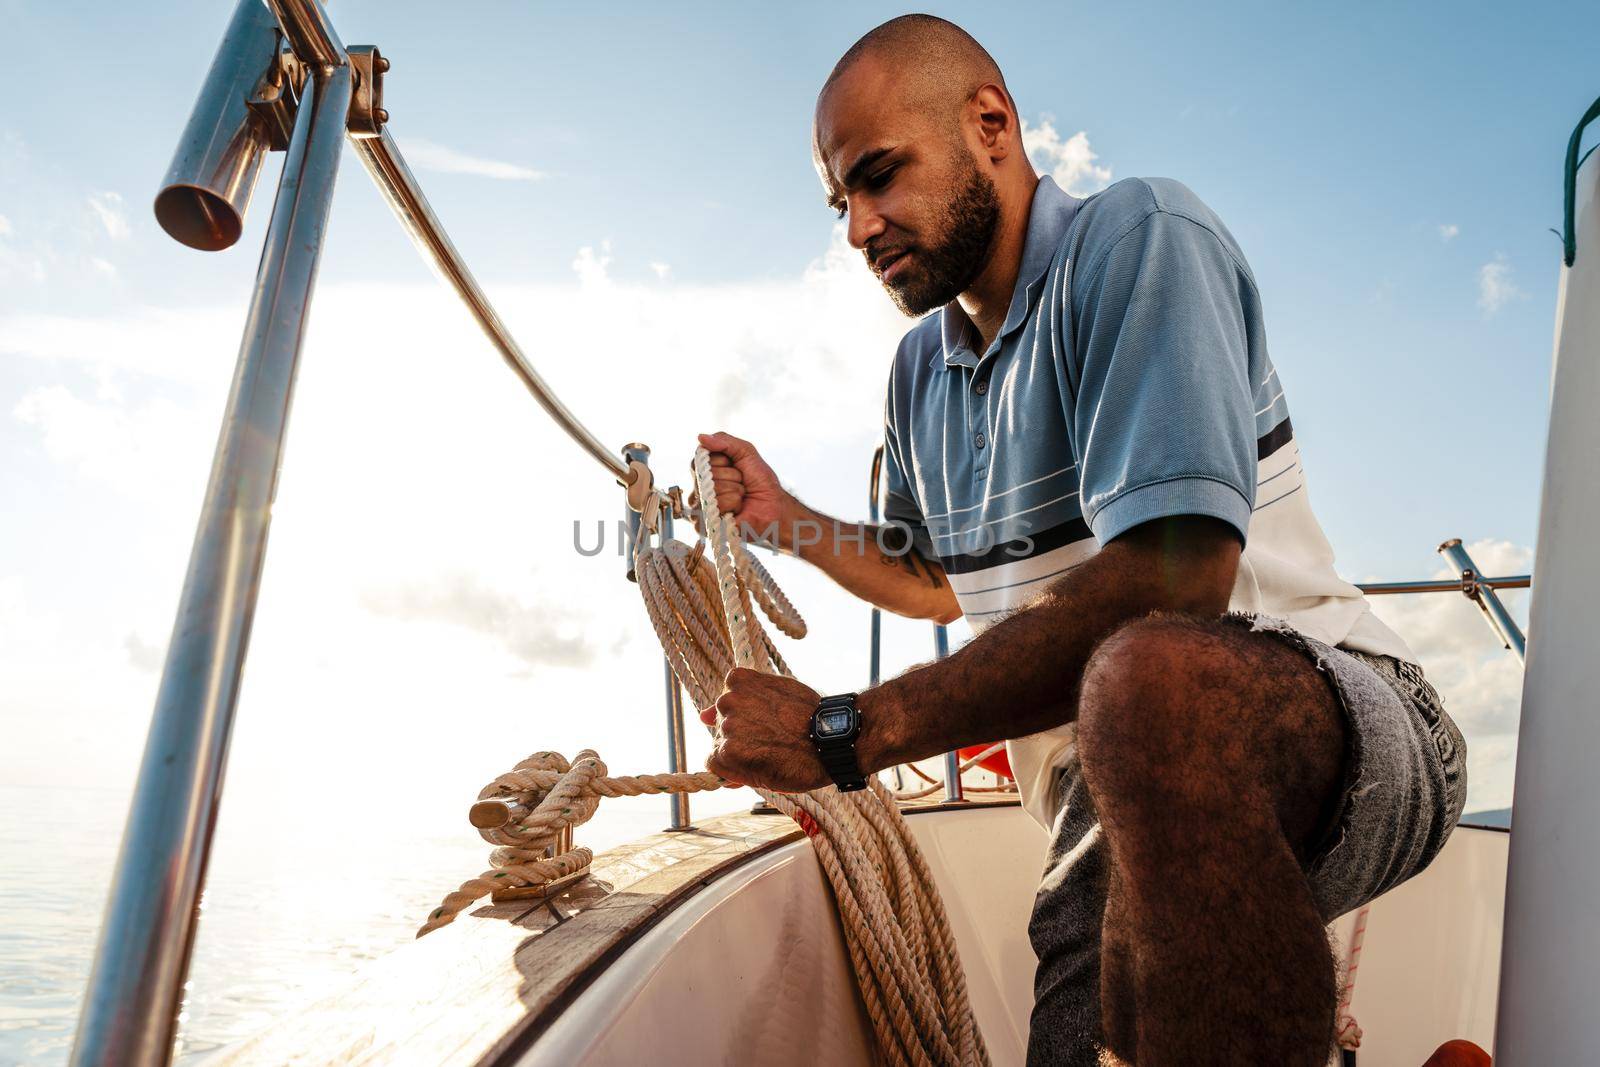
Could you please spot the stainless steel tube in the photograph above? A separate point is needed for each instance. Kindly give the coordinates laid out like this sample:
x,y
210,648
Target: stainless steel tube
x,y
1444,585
952,760
875,648
677,747
309,32
135,990
207,189
312,36
388,168
632,520
1483,594
677,751
875,655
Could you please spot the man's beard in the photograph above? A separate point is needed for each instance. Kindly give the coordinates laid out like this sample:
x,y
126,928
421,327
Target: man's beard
x,y
943,272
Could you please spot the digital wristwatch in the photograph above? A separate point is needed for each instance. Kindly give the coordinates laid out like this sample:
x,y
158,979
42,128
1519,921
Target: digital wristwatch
x,y
835,725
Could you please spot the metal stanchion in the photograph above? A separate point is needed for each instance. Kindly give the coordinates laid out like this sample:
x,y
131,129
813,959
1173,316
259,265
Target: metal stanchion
x,y
135,991
952,760
875,650
677,750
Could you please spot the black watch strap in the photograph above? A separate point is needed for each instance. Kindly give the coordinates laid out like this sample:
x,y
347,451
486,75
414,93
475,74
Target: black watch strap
x,y
838,754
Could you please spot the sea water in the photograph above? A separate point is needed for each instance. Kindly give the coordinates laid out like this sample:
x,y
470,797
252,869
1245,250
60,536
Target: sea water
x,y
295,902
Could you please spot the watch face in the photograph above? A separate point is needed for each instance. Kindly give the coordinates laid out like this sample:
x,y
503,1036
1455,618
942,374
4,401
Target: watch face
x,y
834,723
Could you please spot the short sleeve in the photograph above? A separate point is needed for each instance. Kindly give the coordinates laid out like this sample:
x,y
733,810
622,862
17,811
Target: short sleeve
x,y
900,506
1163,415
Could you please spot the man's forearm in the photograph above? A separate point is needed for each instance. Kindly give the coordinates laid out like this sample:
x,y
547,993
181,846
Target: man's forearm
x,y
872,563
1021,675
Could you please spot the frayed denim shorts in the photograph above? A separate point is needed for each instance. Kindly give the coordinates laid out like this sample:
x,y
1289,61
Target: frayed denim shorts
x,y
1405,772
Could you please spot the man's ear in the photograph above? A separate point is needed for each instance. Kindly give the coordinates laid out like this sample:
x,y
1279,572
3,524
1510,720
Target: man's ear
x,y
995,120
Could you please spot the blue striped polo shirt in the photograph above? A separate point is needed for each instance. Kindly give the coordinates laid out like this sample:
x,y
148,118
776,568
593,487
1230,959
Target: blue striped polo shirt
x,y
1130,381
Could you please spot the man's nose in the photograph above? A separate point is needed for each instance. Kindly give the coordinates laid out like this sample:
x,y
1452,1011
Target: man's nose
x,y
865,224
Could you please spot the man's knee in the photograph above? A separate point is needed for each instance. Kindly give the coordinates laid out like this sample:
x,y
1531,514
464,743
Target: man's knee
x,y
1140,702
1180,711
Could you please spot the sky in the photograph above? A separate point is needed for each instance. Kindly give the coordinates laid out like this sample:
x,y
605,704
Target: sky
x,y
633,185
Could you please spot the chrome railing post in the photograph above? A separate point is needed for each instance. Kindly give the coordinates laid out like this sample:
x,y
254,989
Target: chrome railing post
x,y
952,760
135,990
677,750
631,519
1482,594
875,648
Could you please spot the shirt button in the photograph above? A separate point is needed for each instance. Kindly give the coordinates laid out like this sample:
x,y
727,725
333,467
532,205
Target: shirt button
x,y
982,387
980,440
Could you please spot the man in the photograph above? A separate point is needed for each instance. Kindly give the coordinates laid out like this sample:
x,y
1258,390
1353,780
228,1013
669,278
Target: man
x,y
1092,454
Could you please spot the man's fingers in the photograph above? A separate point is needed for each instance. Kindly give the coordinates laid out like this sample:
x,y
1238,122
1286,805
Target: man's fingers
x,y
709,715
736,448
718,768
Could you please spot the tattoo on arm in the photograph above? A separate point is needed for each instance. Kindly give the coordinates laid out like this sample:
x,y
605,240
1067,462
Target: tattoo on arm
x,y
914,563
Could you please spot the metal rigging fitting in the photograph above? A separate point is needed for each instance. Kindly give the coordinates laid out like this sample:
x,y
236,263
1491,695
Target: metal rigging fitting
x,y
367,114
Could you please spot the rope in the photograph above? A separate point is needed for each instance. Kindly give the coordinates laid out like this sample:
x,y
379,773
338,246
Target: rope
x,y
895,927
542,797
894,923
1346,1030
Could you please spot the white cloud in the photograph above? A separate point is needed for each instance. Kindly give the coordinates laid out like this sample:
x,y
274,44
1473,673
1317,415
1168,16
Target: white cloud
x,y
663,271
538,634
1449,231
593,268
1495,287
1070,162
17,265
130,449
428,155
5,226
421,566
107,207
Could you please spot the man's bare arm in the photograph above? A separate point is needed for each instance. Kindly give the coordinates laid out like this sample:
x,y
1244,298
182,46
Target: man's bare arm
x,y
869,561
1016,678
1021,675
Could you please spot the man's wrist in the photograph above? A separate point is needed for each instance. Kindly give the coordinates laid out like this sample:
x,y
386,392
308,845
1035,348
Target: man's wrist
x,y
879,745
799,528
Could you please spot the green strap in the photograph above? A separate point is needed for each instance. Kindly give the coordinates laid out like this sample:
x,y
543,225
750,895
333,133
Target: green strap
x,y
1569,237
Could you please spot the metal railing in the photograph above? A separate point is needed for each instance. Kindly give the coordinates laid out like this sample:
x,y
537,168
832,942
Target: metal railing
x,y
129,1012
257,98
1471,584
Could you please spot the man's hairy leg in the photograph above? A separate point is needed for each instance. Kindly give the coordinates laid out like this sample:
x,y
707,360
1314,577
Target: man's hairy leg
x,y
1118,978
1214,755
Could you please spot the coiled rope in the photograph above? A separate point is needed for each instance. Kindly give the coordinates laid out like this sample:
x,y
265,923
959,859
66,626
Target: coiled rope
x,y
894,921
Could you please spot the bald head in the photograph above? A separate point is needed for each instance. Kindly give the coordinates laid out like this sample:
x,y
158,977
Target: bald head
x,y
938,62
917,142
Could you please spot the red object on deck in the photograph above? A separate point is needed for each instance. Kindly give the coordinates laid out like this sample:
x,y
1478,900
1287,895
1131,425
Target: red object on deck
x,y
997,763
1458,1054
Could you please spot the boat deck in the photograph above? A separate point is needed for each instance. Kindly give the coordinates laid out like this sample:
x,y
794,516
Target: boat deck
x,y
483,988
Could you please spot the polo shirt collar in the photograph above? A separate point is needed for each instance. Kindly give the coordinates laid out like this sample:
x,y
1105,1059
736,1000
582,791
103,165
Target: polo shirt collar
x,y
1049,215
